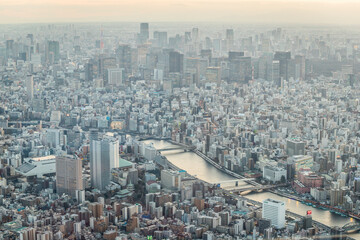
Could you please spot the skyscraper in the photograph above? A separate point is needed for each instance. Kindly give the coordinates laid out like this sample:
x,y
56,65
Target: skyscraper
x,y
294,147
52,52
115,76
176,62
230,38
160,38
104,155
283,58
124,56
144,32
274,211
30,86
68,175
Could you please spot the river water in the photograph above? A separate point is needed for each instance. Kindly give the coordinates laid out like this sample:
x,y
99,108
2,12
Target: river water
x,y
198,167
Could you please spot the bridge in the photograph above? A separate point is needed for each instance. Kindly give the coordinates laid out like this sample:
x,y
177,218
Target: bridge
x,y
188,148
351,227
248,189
235,181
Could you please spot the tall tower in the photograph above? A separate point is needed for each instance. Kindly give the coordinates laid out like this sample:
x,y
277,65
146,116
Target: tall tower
x,y
68,175
230,38
274,211
30,86
52,52
144,32
104,155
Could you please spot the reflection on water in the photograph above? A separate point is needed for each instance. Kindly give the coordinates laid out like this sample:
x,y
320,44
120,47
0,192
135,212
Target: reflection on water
x,y
198,167
192,163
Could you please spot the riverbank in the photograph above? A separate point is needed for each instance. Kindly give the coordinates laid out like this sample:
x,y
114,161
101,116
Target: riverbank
x,y
203,170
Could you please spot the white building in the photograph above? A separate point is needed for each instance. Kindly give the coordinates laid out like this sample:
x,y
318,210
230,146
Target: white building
x,y
150,152
104,155
38,166
170,179
274,211
54,137
338,165
274,174
115,76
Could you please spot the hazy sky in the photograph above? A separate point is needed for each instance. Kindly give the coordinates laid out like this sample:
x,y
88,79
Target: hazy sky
x,y
242,11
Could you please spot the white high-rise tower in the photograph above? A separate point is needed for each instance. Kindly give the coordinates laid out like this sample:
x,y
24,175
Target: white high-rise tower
x,y
104,155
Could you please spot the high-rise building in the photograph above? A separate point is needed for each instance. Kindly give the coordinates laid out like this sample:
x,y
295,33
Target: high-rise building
x,y
115,76
195,34
144,32
213,75
124,55
283,58
276,79
230,38
161,39
176,62
170,179
240,69
294,147
104,155
52,52
30,86
274,211
68,175
89,72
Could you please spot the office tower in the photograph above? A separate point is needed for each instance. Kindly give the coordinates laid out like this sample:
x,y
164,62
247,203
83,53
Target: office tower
x,y
115,76
283,58
294,147
276,73
176,62
54,137
30,86
104,155
338,165
206,54
187,37
230,38
235,55
213,75
299,67
124,55
52,53
274,211
68,175
307,221
144,32
170,179
89,72
161,39
195,34
105,64
240,69
9,48
192,70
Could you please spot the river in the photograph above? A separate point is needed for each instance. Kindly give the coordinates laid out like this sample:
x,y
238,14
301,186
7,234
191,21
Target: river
x,y
198,167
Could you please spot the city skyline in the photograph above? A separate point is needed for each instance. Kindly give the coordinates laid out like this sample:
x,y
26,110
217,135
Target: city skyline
x,y
190,119
333,12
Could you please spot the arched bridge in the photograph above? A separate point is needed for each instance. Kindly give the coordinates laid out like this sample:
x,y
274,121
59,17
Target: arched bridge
x,y
351,227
